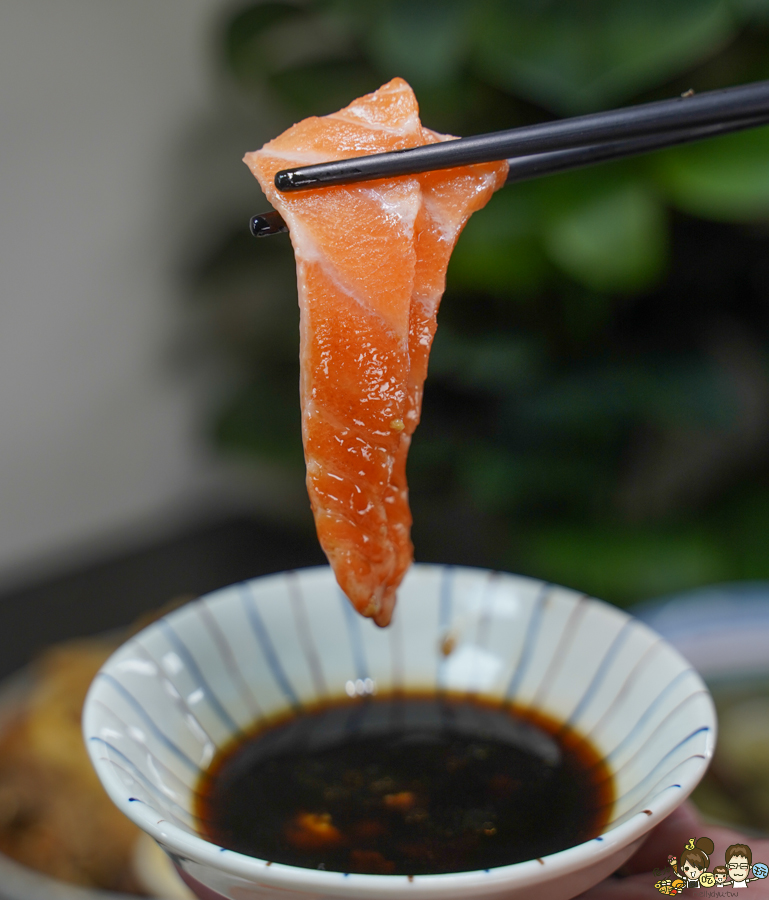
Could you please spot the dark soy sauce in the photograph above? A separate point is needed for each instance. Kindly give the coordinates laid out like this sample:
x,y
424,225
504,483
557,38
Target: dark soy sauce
x,y
406,785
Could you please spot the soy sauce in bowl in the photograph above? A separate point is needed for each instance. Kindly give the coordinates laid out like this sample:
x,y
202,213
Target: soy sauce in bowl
x,y
406,785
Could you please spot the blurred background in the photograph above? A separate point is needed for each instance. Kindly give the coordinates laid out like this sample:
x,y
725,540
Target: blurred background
x,y
597,411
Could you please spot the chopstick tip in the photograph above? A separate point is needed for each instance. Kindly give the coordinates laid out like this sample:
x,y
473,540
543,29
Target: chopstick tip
x,y
267,224
291,180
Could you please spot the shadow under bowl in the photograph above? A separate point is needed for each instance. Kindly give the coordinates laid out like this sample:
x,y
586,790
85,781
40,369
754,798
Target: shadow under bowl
x,y
178,691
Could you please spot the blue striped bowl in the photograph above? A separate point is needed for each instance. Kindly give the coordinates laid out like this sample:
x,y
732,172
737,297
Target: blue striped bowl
x,y
173,694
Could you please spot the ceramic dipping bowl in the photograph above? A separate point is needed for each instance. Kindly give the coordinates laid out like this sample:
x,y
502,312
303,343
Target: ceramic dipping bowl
x,y
183,687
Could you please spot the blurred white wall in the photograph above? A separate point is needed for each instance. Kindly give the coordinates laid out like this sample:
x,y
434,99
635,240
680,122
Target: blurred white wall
x,y
98,431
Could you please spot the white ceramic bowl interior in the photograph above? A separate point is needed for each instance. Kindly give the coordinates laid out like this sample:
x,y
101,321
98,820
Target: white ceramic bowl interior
x,y
173,694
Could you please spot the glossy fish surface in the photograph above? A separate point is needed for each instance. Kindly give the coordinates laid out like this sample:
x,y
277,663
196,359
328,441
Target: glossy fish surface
x,y
371,265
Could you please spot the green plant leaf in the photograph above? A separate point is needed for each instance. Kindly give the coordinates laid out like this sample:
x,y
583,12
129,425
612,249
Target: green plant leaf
x,y
263,420
275,37
724,178
665,392
614,240
491,362
573,57
243,40
499,251
757,10
323,87
500,480
744,529
624,564
424,41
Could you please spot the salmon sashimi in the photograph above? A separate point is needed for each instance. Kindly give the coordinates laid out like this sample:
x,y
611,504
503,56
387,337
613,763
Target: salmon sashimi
x,y
371,265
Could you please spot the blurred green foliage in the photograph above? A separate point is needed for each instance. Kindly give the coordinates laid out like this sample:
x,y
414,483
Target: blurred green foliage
x,y
597,410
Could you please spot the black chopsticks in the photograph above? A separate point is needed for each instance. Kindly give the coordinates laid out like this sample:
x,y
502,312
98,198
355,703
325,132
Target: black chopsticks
x,y
550,147
688,111
522,168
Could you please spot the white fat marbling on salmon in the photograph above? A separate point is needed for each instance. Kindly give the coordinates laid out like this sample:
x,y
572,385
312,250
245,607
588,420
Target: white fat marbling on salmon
x,y
399,214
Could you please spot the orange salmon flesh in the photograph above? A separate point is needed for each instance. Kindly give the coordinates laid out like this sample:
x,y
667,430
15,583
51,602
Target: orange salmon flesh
x,y
371,263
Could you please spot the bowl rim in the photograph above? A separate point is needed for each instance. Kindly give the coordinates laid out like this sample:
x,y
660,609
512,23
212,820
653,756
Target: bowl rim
x,y
197,849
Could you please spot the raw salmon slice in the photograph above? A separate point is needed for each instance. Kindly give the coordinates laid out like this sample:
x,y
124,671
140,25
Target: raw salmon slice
x,y
371,264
